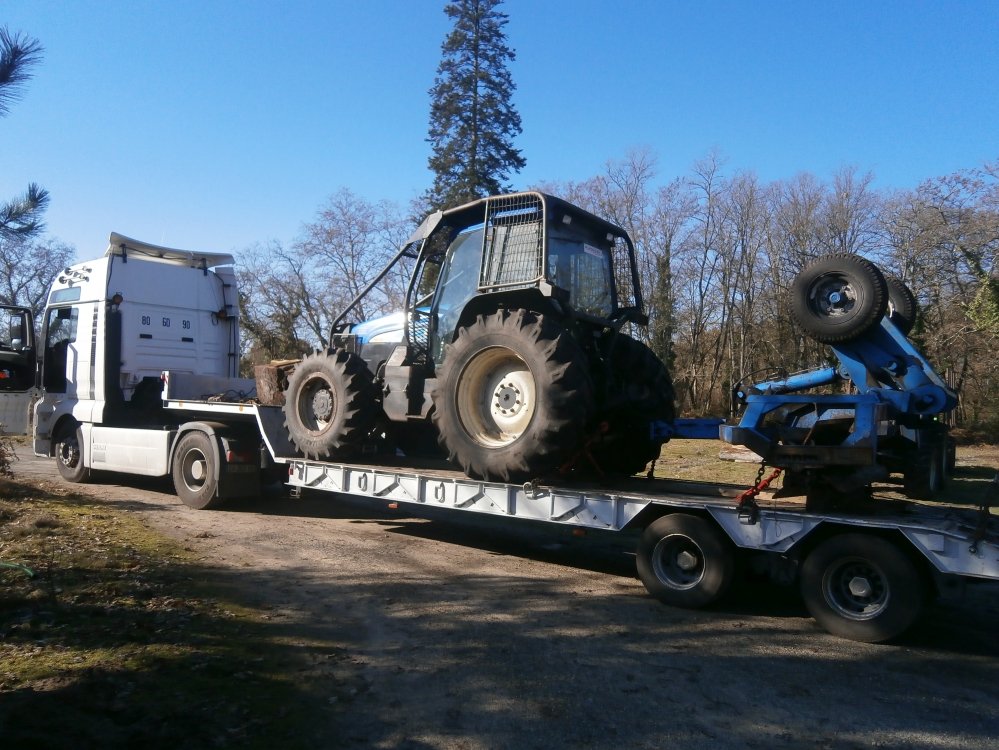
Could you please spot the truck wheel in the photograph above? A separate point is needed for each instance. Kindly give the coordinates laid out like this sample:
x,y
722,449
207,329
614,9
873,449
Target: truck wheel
x,y
512,398
330,405
839,297
902,305
861,587
639,390
69,457
685,561
195,474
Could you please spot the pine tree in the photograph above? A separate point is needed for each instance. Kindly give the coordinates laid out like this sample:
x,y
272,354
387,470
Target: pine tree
x,y
22,217
472,118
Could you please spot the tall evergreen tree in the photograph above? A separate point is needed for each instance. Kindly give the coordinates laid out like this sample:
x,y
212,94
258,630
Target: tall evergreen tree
x,y
472,118
22,217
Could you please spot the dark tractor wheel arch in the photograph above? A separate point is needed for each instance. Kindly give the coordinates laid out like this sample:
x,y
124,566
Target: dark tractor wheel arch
x,y
839,297
513,397
330,405
862,587
902,305
195,471
69,455
639,390
685,560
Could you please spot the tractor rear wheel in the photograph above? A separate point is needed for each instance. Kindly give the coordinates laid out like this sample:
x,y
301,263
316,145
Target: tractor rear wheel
x,y
639,390
512,398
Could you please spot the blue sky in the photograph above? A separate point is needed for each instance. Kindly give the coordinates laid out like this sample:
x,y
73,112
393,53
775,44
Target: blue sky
x,y
213,125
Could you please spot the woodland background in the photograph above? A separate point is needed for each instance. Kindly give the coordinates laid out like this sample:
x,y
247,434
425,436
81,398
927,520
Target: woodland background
x,y
717,251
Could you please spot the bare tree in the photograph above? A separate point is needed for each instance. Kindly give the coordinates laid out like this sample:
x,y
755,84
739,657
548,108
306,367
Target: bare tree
x,y
291,296
27,268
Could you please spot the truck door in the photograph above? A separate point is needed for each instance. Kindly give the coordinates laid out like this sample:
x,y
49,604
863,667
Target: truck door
x,y
17,368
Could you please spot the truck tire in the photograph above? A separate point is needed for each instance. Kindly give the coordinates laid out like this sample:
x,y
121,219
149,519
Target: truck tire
x,y
902,305
513,396
69,456
330,405
685,561
839,297
195,471
862,587
639,390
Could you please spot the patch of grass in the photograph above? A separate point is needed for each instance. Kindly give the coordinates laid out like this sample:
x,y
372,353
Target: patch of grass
x,y
699,460
115,641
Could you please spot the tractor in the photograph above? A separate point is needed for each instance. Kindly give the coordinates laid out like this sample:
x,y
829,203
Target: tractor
x,y
512,356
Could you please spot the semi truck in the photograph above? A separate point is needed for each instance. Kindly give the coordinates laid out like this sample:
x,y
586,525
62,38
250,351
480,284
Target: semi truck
x,y
139,375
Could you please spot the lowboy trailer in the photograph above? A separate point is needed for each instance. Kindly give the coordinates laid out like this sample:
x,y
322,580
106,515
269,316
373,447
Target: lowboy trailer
x,y
139,354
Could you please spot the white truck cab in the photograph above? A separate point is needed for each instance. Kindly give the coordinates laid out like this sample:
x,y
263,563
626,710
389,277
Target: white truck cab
x,y
112,327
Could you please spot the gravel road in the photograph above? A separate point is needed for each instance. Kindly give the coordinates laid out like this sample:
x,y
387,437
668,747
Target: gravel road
x,y
453,632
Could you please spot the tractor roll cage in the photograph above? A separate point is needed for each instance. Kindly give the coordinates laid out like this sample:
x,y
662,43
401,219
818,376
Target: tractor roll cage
x,y
523,261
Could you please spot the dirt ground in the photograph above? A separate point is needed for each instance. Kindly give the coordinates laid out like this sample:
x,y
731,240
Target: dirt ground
x,y
454,632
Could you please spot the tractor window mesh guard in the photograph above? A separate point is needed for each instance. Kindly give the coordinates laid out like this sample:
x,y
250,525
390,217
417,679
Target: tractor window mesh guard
x,y
513,249
623,277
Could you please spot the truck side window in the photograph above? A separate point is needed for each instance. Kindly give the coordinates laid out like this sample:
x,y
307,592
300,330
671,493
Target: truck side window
x,y
60,332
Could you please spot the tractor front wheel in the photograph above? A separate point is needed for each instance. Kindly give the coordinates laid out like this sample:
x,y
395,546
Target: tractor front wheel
x,y
330,405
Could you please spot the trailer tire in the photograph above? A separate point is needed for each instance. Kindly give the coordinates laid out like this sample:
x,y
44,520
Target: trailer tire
x,y
195,471
639,390
923,473
513,396
902,305
862,587
69,456
839,297
330,405
685,561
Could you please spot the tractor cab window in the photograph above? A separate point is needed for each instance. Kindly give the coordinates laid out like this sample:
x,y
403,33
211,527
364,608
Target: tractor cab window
x,y
583,268
60,332
458,283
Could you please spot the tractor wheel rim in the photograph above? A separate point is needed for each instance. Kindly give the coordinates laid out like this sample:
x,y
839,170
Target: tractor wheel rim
x,y
496,397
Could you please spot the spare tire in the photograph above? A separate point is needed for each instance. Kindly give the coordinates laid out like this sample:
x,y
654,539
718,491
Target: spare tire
x,y
839,297
902,305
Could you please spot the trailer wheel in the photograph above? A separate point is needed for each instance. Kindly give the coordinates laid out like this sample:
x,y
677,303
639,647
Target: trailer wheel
x,y
639,390
195,474
330,405
950,456
512,398
69,457
923,474
902,305
862,587
685,561
839,297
